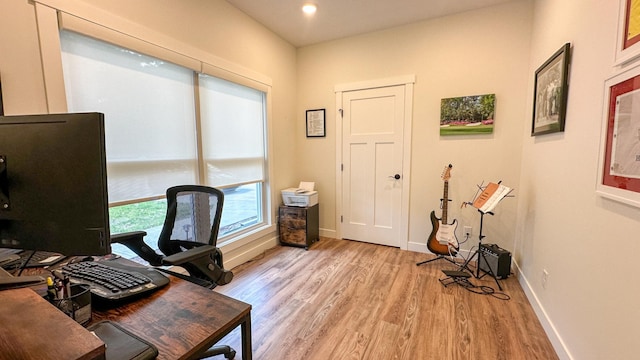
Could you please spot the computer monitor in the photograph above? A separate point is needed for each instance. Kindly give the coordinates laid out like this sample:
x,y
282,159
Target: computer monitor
x,y
53,184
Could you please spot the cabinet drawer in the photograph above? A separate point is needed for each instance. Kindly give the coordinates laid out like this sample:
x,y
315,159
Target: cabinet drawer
x,y
293,224
293,236
290,213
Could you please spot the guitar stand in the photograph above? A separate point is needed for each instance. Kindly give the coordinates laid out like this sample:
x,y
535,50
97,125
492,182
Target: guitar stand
x,y
439,257
480,254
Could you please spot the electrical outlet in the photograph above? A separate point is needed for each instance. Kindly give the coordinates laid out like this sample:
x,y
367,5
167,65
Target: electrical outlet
x,y
545,277
467,230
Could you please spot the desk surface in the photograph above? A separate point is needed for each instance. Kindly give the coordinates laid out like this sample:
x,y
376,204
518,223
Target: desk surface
x,y
33,328
181,319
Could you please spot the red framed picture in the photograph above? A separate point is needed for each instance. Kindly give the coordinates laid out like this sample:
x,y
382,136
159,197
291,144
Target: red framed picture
x,y
619,166
631,23
628,31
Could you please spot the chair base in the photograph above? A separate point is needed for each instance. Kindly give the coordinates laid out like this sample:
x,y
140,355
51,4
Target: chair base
x,y
225,350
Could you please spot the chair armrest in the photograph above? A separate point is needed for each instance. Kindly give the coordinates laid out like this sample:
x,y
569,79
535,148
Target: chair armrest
x,y
190,255
199,262
135,242
127,236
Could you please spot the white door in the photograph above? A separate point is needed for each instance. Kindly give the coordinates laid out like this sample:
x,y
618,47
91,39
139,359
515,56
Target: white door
x,y
372,165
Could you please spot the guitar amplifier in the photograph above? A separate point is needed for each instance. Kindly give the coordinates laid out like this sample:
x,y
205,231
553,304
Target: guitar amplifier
x,y
492,257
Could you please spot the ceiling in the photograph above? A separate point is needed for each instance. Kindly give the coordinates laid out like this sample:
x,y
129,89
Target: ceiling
x,y
342,18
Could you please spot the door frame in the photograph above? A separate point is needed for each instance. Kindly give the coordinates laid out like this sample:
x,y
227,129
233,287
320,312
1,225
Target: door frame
x,y
407,81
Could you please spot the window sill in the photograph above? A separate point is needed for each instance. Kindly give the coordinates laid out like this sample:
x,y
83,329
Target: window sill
x,y
243,239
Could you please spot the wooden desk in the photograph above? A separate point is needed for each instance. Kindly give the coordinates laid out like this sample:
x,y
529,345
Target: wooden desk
x,y
181,319
32,328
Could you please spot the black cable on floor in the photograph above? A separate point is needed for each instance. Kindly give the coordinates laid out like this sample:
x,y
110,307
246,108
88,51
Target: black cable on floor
x,y
481,290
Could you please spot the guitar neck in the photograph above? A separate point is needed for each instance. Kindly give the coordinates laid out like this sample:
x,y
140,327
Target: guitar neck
x,y
445,202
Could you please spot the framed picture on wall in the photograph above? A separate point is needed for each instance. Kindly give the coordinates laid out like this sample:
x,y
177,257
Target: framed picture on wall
x,y
619,162
628,39
467,115
316,125
550,93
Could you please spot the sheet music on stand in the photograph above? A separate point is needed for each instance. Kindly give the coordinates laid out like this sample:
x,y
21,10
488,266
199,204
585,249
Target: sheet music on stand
x,y
491,196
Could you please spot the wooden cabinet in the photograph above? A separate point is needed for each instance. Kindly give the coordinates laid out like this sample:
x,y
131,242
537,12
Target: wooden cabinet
x,y
299,226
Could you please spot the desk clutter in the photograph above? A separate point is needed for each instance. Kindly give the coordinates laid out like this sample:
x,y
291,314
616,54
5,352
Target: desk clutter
x,y
24,308
16,258
74,300
36,328
69,292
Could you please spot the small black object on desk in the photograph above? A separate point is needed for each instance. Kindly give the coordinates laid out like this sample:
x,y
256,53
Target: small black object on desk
x,y
122,344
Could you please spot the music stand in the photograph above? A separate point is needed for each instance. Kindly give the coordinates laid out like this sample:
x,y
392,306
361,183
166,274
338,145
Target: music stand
x,y
488,199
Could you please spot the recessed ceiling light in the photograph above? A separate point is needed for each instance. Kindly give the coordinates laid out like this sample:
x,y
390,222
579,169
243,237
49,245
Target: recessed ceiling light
x,y
309,9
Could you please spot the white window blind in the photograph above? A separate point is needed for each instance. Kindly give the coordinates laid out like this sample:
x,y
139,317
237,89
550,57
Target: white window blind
x,y
149,109
232,123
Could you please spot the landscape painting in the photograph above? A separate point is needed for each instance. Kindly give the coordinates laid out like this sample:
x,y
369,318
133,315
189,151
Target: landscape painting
x,y
467,115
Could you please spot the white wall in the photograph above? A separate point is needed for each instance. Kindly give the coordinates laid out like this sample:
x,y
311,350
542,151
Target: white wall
x,y
20,66
473,53
586,243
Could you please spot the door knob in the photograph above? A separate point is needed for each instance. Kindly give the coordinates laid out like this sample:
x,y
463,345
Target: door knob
x,y
396,176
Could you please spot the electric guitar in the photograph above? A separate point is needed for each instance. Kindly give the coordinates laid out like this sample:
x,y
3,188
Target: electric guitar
x,y
442,240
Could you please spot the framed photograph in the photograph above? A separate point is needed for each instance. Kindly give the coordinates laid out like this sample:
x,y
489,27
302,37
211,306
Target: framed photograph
x,y
619,162
550,93
467,115
316,125
627,47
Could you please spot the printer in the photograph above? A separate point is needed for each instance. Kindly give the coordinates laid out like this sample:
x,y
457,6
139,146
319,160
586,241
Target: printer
x,y
303,196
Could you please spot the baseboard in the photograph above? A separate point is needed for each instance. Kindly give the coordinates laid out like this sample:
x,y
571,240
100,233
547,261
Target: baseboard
x,y
463,254
246,252
249,251
547,325
418,247
328,233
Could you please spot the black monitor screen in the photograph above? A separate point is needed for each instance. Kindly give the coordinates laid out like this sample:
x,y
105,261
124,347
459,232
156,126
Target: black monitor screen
x,y
53,184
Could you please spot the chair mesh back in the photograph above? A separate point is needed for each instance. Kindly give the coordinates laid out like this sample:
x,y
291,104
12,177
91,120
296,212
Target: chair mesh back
x,y
192,216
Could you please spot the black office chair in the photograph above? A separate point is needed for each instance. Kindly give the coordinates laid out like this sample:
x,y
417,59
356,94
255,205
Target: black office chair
x,y
188,239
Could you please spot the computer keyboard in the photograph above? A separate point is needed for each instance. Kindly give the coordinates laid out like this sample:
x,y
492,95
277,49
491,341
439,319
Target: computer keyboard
x,y
110,280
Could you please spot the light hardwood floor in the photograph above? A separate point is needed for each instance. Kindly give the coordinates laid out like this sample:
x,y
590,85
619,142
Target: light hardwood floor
x,y
344,299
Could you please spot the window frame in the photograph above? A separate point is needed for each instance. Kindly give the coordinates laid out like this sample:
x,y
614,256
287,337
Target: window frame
x,y
51,13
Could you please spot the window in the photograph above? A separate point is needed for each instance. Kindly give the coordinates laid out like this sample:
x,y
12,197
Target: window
x,y
155,138
233,144
149,114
